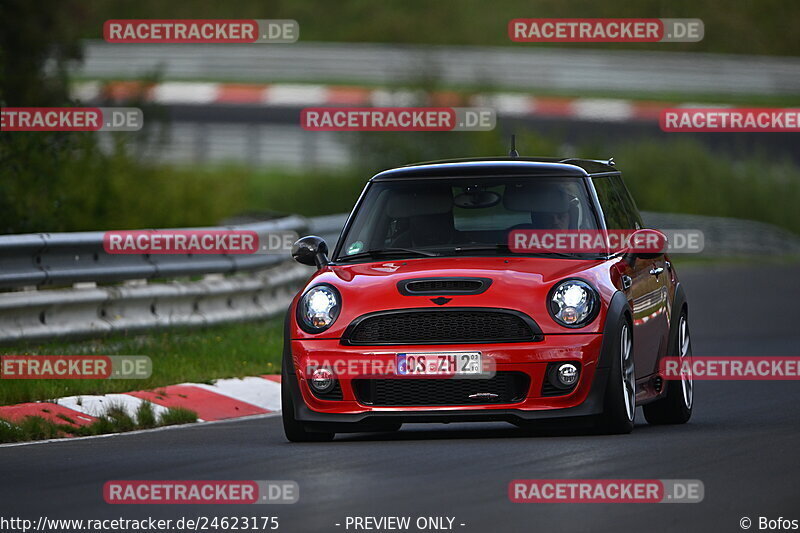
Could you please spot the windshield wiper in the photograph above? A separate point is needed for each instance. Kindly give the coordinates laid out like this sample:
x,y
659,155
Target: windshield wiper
x,y
475,248
480,248
388,251
505,248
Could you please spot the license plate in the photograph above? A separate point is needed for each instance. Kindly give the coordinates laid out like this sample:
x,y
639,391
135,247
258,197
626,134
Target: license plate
x,y
437,364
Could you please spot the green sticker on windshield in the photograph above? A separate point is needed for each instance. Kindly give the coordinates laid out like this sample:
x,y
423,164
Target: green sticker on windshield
x,y
355,248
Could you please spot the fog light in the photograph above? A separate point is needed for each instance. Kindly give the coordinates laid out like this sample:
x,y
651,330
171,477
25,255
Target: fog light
x,y
567,374
322,380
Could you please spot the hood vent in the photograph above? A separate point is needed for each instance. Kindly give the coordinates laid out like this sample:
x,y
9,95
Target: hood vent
x,y
443,286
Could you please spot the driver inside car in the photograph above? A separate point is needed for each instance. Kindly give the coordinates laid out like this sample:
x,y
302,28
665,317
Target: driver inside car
x,y
424,218
550,206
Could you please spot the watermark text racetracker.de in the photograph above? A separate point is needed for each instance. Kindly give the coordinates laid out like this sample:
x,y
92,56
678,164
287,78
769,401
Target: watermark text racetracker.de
x,y
398,119
606,491
212,31
71,119
605,30
201,492
75,367
606,241
731,368
730,120
198,242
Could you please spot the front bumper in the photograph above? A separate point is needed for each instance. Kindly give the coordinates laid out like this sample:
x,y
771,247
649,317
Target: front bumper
x,y
528,358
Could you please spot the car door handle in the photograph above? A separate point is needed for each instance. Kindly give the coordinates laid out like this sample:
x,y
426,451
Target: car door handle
x,y
656,271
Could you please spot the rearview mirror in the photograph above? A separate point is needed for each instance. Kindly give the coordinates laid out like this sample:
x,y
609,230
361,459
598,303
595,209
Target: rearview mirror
x,y
311,251
476,199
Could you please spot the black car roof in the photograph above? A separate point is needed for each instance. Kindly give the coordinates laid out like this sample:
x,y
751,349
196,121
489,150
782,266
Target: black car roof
x,y
500,166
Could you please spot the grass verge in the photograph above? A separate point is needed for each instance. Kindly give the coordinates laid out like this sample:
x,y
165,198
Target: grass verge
x,y
115,420
178,356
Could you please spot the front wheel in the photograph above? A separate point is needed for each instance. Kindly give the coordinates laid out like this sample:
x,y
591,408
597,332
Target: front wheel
x,y
676,406
619,408
292,428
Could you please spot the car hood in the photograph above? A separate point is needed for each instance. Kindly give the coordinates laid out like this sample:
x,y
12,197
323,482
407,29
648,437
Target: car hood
x,y
518,283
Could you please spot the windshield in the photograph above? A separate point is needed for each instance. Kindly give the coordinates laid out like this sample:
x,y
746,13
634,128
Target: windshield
x,y
469,216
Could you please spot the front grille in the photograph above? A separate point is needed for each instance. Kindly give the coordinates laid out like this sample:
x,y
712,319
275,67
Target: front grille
x,y
442,326
503,387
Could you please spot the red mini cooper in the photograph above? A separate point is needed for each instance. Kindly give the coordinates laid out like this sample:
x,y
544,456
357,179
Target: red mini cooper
x,y
426,312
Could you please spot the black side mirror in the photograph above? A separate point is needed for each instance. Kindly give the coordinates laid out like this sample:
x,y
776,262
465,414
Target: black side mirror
x,y
646,244
311,251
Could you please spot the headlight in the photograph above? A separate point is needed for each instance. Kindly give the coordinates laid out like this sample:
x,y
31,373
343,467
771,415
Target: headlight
x,y
319,308
574,303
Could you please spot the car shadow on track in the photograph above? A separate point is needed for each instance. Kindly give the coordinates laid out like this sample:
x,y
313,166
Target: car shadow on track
x,y
541,430
472,431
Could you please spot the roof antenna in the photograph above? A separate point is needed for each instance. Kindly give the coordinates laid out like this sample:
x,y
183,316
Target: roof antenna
x,y
513,152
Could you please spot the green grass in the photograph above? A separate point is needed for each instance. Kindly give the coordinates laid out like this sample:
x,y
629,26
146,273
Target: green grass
x,y
115,420
146,416
178,415
178,356
764,27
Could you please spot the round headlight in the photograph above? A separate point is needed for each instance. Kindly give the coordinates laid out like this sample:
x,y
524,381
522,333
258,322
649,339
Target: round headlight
x,y
574,303
318,308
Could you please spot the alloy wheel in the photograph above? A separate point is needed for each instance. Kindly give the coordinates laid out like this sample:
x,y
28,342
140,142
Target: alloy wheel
x,y
628,378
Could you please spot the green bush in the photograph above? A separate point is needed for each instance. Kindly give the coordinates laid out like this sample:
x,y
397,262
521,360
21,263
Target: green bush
x,y
114,192
683,176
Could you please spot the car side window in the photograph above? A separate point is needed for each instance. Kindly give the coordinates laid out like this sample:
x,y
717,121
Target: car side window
x,y
627,200
615,211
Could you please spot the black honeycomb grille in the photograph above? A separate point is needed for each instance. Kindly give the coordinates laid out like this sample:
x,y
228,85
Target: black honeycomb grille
x,y
445,326
502,388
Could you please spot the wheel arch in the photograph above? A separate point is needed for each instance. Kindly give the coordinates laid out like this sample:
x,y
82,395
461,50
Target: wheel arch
x,y
679,305
618,309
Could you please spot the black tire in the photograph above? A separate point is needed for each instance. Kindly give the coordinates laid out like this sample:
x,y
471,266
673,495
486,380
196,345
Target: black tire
x,y
618,411
294,430
676,406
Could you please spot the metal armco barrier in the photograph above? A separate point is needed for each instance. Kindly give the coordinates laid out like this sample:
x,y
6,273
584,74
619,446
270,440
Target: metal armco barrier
x,y
53,259
65,285
520,67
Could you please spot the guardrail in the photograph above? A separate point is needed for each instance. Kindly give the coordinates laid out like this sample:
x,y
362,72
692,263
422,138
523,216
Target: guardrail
x,y
520,67
65,284
45,259
129,293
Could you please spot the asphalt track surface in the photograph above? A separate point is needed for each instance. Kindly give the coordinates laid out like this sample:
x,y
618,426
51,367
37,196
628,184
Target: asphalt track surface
x,y
742,442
